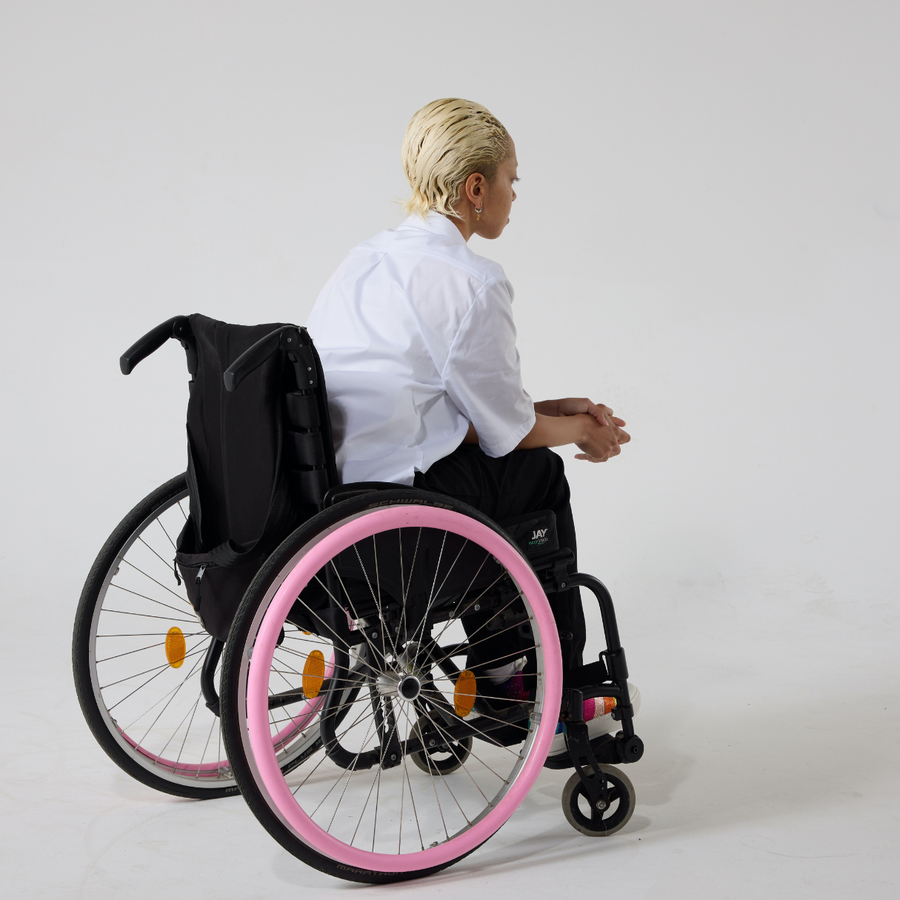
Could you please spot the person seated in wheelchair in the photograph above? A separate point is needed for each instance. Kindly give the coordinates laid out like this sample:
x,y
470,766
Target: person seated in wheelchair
x,y
418,344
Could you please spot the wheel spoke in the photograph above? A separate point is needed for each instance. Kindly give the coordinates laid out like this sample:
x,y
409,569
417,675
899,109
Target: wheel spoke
x,y
159,583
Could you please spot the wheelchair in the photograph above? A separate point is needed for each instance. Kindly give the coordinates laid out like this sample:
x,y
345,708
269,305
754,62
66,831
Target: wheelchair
x,y
346,700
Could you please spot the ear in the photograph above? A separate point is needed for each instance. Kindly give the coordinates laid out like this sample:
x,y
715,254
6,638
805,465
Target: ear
x,y
473,189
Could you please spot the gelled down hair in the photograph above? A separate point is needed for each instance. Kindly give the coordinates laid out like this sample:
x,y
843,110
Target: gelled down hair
x,y
446,142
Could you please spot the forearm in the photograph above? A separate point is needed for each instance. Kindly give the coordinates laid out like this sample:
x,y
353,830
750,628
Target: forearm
x,y
547,431
556,431
591,427
547,407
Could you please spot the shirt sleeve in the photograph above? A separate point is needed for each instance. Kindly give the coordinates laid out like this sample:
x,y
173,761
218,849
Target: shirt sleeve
x,y
483,376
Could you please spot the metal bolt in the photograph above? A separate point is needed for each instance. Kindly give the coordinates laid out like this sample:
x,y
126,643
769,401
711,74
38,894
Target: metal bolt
x,y
601,805
564,584
393,757
476,607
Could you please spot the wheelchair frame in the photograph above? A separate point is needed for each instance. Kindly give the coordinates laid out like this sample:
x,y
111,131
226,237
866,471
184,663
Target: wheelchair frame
x,y
364,683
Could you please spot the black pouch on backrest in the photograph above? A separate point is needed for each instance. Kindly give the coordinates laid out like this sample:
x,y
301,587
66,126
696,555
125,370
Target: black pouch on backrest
x,y
240,501
534,533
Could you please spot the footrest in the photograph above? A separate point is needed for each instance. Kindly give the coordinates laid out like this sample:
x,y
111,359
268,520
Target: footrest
x,y
606,748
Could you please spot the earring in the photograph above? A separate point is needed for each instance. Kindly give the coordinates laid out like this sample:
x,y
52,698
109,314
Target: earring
x,y
477,214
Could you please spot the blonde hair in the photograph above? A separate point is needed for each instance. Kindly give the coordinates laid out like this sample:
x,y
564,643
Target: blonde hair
x,y
446,142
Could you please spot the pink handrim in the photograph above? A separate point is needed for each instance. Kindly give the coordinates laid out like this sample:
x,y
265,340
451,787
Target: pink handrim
x,y
213,770
188,770
316,555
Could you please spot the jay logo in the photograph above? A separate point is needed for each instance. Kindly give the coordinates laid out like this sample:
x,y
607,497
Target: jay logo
x,y
539,536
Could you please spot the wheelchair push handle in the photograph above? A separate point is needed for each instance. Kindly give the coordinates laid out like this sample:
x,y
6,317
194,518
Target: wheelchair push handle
x,y
177,327
288,339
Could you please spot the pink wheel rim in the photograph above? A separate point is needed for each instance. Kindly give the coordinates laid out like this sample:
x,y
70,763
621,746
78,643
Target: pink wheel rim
x,y
313,559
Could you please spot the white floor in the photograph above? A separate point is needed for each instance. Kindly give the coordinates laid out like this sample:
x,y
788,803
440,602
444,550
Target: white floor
x,y
770,770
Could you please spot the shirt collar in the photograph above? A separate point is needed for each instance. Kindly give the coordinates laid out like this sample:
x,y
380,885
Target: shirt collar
x,y
436,223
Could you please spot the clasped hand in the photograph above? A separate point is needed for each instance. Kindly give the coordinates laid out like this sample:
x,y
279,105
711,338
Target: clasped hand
x,y
603,432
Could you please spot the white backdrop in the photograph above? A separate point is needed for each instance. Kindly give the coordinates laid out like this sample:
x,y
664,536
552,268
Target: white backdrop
x,y
706,239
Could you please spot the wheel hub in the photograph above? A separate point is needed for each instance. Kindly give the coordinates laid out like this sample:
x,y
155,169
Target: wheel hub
x,y
409,688
405,686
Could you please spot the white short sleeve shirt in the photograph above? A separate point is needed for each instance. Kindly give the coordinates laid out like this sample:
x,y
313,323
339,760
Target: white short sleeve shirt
x,y
417,339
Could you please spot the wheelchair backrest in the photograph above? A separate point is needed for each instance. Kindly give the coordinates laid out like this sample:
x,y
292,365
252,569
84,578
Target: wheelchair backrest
x,y
260,454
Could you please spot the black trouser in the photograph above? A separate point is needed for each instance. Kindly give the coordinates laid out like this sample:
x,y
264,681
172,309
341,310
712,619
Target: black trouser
x,y
521,482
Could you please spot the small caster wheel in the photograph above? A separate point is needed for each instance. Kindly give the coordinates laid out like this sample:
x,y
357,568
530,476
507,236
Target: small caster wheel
x,y
444,759
614,808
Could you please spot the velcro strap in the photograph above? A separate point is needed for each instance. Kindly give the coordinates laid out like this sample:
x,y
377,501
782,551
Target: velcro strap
x,y
302,411
308,448
310,485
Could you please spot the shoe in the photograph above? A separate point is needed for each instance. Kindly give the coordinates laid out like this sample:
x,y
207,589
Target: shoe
x,y
514,688
510,688
598,721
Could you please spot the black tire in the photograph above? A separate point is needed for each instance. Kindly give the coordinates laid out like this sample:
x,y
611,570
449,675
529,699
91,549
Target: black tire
x,y
377,663
137,653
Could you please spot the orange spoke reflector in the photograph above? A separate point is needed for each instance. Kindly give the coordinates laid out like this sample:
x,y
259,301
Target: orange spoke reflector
x,y
176,648
313,673
464,693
